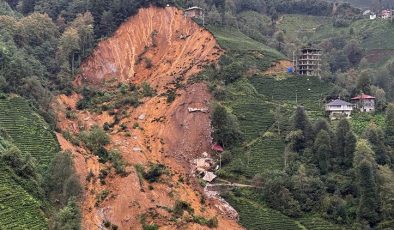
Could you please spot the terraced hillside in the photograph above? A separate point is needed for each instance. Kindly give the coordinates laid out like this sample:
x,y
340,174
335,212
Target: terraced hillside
x,y
18,209
255,216
263,106
27,129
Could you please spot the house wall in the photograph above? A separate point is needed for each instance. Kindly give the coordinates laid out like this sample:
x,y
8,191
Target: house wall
x,y
339,114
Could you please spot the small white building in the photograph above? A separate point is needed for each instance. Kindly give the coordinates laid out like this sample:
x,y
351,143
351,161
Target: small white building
x,y
364,102
386,14
194,12
339,109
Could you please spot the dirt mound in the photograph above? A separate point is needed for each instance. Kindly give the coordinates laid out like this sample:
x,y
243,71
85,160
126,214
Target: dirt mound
x,y
279,67
157,46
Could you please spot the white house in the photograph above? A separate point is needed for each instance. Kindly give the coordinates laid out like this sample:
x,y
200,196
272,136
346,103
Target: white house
x,y
339,108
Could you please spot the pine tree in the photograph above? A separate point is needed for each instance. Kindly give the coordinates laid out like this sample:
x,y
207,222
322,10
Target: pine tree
x,y
322,150
375,137
350,146
344,144
389,127
301,122
369,200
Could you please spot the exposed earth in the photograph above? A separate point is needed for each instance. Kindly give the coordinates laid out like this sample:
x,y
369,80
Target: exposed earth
x,y
157,46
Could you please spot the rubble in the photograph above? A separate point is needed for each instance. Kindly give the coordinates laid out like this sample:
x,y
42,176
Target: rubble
x,y
192,110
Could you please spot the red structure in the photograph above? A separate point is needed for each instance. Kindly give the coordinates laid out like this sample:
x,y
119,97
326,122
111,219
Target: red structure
x,y
217,148
364,102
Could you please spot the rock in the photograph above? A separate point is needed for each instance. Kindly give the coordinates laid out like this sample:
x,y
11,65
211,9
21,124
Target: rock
x,y
137,149
141,117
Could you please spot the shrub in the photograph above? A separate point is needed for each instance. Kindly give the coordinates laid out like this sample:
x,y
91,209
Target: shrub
x,y
226,130
100,197
171,94
118,163
148,63
70,114
94,140
147,90
154,172
62,182
180,207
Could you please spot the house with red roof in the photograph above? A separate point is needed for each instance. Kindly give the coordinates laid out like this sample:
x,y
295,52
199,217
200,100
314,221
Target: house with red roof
x,y
364,102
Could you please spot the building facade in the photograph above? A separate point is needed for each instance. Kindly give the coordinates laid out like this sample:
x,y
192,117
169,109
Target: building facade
x,y
364,102
308,62
338,109
194,12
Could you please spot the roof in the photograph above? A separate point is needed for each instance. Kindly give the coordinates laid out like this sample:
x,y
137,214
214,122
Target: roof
x,y
311,48
194,8
209,176
339,102
217,148
363,97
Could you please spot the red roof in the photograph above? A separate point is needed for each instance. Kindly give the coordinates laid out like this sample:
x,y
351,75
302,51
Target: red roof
x,y
363,97
217,148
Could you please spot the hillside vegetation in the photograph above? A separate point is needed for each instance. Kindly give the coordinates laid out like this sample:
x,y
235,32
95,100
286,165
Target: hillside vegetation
x,y
28,130
264,150
27,148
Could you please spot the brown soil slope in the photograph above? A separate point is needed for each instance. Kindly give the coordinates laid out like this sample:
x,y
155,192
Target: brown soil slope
x,y
157,46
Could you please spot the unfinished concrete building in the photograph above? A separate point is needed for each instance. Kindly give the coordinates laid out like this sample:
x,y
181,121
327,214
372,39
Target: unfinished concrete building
x,y
308,62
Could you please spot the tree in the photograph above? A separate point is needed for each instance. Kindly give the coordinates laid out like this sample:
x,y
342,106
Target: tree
x,y
375,137
69,217
306,188
69,46
278,117
62,182
389,125
322,150
83,23
364,82
385,179
345,144
95,139
369,199
278,196
354,52
226,129
380,95
301,122
321,124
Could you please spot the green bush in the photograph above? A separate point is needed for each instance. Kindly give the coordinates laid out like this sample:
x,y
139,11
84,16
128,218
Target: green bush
x,y
154,172
147,90
181,206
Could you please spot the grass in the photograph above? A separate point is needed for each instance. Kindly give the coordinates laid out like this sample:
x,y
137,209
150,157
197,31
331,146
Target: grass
x,y
254,216
361,121
372,34
28,130
18,209
309,92
317,223
252,100
233,39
